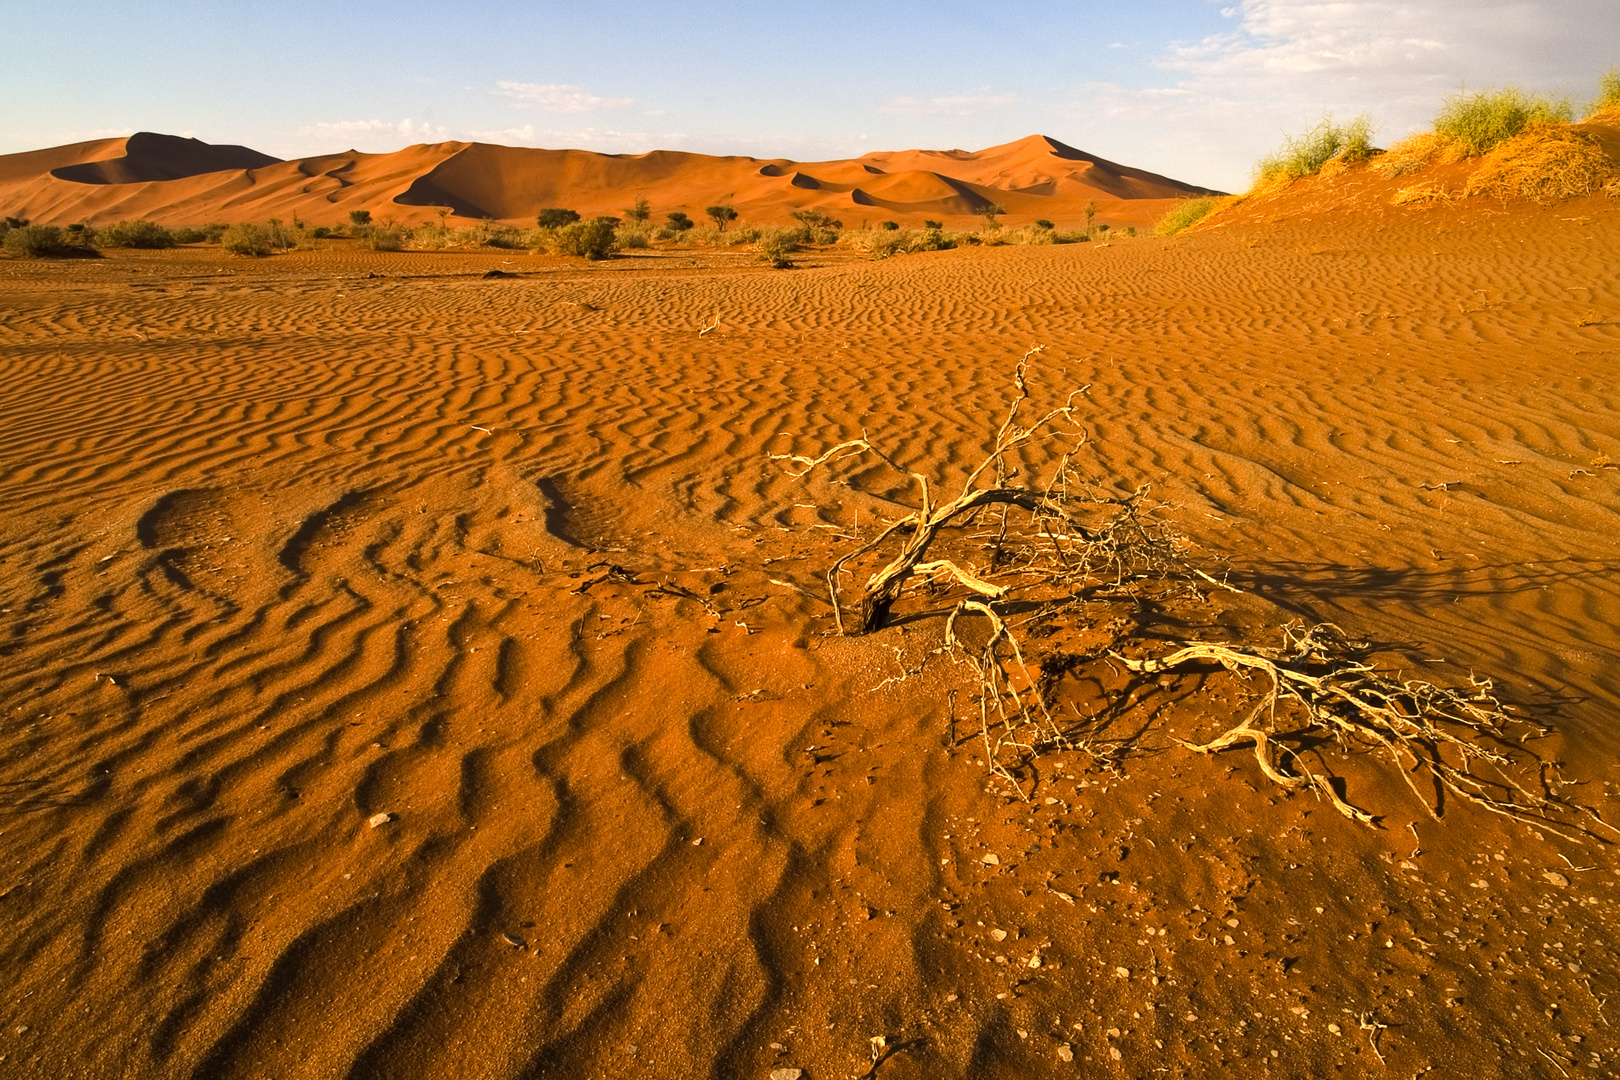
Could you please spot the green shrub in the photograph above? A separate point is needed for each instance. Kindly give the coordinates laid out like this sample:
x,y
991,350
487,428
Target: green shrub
x,y
321,232
1476,122
359,217
387,237
817,226
634,233
640,213
775,245
43,242
592,239
1042,223
1185,214
991,211
1306,155
1608,95
135,234
556,217
210,234
721,215
678,222
710,236
890,225
503,236
247,239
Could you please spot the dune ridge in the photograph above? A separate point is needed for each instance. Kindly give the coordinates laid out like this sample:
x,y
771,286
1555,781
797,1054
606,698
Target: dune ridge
x,y
180,181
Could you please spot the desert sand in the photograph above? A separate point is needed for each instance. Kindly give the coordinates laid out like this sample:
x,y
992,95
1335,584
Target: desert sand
x,y
409,673
178,181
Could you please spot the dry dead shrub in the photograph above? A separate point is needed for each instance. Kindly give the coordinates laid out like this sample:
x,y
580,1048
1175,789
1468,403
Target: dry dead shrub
x,y
1415,154
1008,549
1421,195
1545,163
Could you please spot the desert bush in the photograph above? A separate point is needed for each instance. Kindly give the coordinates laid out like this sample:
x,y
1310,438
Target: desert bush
x,y
634,233
503,236
817,226
1475,123
991,211
1305,155
721,215
884,243
44,242
1183,215
1545,162
640,213
248,239
890,225
1608,95
388,237
592,239
1044,224
135,234
776,244
932,225
359,218
321,232
709,236
678,222
556,217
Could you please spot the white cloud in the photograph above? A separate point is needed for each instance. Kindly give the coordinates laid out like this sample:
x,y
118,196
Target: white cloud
x,y
951,105
1286,62
366,130
559,97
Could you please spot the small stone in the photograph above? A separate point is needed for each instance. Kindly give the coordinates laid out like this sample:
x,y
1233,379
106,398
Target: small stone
x,y
999,935
1333,1028
1123,972
1113,1052
376,820
1065,1052
1556,878
1407,864
515,942
992,859
698,842
786,1074
1233,923
1035,961
1228,939
21,1029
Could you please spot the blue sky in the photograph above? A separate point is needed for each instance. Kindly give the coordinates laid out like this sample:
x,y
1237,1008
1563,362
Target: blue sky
x,y
1194,89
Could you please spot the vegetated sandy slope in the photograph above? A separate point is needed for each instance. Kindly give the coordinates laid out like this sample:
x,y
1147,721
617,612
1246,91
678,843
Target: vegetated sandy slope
x,y
183,181
289,544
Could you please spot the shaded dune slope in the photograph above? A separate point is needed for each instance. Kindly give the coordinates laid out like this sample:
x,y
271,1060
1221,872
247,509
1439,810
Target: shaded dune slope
x,y
183,181
286,547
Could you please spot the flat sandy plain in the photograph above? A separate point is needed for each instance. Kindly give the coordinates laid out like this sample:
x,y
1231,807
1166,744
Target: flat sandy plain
x,y
290,543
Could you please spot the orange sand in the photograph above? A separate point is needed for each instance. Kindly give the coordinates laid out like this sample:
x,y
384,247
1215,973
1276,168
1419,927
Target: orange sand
x,y
287,544
182,181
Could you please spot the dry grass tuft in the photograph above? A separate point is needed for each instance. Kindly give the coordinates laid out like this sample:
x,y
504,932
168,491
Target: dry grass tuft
x,y
1544,163
1421,195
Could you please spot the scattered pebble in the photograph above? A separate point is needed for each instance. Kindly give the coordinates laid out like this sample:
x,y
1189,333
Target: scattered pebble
x,y
786,1074
1556,878
1123,972
379,819
515,942
698,842
1113,1052
1333,1028
21,1029
1065,1052
999,935
991,859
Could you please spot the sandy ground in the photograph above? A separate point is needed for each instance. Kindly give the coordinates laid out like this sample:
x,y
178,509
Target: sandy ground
x,y
290,544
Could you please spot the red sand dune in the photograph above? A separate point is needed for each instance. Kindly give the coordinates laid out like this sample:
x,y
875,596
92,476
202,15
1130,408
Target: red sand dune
x,y
182,181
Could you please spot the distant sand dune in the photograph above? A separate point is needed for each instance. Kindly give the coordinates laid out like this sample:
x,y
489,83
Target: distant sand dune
x,y
182,181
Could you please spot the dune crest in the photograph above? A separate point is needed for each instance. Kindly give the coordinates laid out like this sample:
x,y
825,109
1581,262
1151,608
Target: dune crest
x,y
183,181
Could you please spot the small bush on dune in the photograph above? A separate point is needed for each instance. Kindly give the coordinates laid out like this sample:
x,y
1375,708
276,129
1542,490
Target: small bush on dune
x,y
359,218
387,237
1608,97
1475,123
135,234
1184,215
1544,163
44,242
708,236
678,222
503,236
721,215
1305,155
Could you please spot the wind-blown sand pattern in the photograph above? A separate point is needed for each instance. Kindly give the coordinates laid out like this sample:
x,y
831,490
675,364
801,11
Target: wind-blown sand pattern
x,y
334,746
183,181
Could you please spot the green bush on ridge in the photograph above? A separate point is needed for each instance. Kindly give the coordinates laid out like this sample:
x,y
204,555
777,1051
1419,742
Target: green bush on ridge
x,y
1477,122
135,234
1305,155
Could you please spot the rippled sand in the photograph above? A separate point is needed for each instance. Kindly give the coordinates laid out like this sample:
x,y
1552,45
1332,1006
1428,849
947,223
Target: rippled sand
x,y
288,545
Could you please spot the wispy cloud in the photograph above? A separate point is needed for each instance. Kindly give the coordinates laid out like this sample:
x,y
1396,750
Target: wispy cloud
x,y
1283,63
949,105
410,130
560,97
